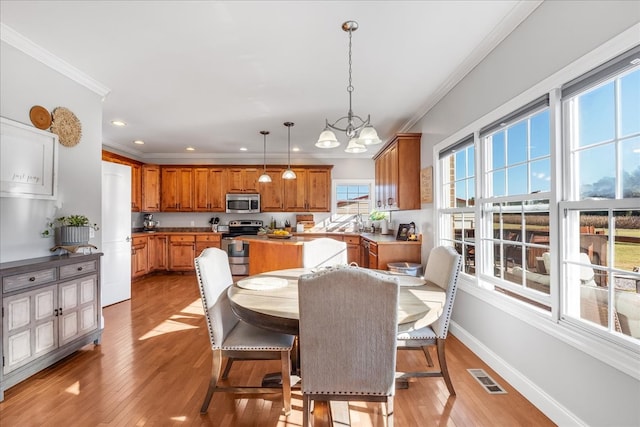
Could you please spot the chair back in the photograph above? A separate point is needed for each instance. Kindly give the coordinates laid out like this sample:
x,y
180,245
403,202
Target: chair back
x,y
348,328
443,267
324,252
214,277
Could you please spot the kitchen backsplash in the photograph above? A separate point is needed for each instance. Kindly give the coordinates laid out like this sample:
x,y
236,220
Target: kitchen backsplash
x,y
201,219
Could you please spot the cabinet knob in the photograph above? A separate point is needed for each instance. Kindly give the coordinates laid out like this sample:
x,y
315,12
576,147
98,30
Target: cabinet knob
x,y
379,203
32,279
79,268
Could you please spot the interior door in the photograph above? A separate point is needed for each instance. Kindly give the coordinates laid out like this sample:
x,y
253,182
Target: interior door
x,y
116,233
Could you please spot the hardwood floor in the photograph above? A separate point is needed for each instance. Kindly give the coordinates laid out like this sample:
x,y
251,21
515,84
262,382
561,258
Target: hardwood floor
x,y
153,366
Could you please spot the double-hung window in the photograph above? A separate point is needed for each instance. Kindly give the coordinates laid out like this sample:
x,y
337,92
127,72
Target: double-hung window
x,y
601,211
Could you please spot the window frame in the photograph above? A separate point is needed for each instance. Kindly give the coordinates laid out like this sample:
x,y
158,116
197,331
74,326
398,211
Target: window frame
x,y
620,357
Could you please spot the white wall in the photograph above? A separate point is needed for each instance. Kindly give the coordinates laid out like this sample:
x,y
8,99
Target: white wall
x,y
25,82
568,384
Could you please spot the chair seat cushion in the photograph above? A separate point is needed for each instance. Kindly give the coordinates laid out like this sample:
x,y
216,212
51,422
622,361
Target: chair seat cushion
x,y
408,334
247,337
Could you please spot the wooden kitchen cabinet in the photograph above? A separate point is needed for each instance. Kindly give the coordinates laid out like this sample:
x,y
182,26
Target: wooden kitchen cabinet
x,y
397,174
182,251
242,180
309,192
150,188
272,193
353,249
209,189
139,256
51,308
373,255
204,241
176,189
157,252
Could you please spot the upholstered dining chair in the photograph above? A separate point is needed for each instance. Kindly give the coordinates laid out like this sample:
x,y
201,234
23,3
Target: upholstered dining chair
x,y
348,328
442,270
233,338
324,252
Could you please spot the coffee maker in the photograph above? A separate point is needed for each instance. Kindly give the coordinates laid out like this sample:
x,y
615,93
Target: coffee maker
x,y
149,224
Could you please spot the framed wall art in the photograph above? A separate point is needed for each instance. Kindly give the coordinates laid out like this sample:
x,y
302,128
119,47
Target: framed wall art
x,y
28,161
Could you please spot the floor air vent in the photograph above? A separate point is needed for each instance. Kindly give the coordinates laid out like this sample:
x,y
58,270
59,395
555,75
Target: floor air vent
x,y
486,381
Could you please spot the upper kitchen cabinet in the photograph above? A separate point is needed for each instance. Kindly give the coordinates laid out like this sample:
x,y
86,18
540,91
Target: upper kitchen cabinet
x,y
136,177
242,180
310,191
397,174
272,193
150,188
209,189
177,189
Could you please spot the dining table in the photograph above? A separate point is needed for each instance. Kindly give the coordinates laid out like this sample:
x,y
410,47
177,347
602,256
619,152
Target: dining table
x,y
269,300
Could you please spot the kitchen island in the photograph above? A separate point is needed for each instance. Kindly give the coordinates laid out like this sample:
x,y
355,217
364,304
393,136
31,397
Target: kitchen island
x,y
376,250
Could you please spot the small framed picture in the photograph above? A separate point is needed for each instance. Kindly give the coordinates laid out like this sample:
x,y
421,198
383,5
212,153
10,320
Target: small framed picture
x,y
403,232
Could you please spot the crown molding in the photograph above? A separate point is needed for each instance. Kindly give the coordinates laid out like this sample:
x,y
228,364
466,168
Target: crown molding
x,y
20,42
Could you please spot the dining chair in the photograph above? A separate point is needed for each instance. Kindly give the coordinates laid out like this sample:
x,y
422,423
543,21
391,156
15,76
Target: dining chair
x,y
443,267
324,252
348,328
233,338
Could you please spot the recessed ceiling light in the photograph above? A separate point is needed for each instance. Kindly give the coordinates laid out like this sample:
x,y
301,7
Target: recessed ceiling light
x,y
295,149
139,142
190,149
118,123
243,148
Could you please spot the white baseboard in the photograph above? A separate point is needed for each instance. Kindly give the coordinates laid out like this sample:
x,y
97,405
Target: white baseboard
x,y
538,397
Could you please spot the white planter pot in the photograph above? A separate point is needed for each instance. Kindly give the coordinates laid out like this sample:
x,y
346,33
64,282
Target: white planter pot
x,y
73,236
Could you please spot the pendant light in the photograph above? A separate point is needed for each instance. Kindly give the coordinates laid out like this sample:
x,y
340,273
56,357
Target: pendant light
x,y
359,131
288,173
264,177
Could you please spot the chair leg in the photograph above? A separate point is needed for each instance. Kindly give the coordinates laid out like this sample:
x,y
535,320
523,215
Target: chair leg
x,y
216,365
443,366
425,350
227,368
285,358
306,410
390,411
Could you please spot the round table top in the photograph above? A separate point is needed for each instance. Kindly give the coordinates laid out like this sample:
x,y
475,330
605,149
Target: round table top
x,y
275,307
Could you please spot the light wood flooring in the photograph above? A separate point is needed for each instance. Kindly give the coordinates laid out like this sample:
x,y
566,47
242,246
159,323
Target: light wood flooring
x,y
153,367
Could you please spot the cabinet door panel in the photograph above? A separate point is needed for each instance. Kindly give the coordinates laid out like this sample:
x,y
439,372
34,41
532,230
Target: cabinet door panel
x,y
88,318
68,296
271,193
68,326
17,350
44,338
150,188
319,191
295,192
18,313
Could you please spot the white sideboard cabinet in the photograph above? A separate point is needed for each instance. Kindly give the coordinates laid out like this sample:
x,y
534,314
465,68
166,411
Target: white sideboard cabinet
x,y
50,308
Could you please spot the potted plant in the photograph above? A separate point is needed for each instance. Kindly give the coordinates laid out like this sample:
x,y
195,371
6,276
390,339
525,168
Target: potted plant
x,y
74,230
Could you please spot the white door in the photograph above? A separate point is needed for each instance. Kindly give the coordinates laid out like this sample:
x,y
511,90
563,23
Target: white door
x,y
115,273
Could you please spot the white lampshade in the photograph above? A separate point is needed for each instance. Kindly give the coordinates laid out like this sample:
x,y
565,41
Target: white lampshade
x,y
327,139
264,178
288,174
354,147
369,136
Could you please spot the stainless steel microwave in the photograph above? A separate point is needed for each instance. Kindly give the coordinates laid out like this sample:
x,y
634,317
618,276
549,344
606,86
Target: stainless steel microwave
x,y
243,203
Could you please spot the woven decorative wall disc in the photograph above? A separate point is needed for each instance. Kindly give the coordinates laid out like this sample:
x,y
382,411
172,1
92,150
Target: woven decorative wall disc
x,y
67,126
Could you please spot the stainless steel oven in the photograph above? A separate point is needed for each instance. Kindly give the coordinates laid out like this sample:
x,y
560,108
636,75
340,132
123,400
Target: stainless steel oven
x,y
236,249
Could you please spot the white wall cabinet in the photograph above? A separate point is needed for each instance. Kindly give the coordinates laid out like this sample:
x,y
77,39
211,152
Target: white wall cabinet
x,y
50,308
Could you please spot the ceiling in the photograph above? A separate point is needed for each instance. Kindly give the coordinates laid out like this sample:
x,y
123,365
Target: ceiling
x,y
211,74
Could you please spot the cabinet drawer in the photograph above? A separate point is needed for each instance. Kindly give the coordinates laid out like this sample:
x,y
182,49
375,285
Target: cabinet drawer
x,y
183,238
78,269
25,280
139,241
352,240
207,238
373,248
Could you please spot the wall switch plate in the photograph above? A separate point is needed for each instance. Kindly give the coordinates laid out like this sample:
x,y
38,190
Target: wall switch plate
x,y
92,233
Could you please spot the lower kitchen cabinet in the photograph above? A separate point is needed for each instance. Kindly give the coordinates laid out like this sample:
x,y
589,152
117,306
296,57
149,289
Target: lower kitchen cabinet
x,y
182,251
139,256
207,241
51,308
157,254
353,248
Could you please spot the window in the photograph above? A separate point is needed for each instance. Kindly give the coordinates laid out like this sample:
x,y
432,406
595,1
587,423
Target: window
x,y
458,194
601,214
556,220
352,202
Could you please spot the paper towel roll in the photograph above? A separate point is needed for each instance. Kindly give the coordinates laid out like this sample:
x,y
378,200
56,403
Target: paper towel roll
x,y
384,226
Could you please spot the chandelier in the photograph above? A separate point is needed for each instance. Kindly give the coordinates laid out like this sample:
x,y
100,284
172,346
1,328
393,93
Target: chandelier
x,y
359,131
265,176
